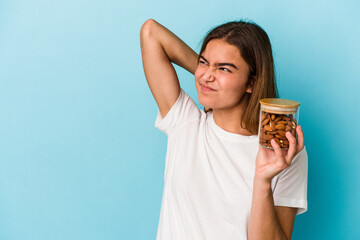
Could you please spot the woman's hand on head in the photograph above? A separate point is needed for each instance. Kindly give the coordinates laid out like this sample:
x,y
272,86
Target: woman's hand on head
x,y
270,162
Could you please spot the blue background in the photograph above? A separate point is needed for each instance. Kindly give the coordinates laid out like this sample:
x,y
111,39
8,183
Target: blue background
x,y
79,155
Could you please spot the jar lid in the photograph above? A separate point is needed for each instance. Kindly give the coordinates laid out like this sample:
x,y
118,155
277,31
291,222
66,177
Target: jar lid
x,y
278,105
278,102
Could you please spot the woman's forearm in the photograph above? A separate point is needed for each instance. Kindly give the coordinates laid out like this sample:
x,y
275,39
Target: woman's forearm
x,y
177,51
264,223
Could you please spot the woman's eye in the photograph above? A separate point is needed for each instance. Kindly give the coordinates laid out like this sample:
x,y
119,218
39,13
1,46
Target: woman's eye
x,y
201,62
225,69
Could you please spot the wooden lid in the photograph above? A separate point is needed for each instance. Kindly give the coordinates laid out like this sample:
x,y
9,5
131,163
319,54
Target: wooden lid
x,y
281,103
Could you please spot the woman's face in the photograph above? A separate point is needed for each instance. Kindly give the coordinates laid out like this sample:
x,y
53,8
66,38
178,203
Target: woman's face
x,y
221,77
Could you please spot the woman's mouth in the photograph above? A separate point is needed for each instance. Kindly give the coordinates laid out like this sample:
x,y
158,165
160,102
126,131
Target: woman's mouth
x,y
206,89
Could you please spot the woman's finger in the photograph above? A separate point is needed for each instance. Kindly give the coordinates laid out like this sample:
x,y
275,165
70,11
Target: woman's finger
x,y
300,138
281,163
292,147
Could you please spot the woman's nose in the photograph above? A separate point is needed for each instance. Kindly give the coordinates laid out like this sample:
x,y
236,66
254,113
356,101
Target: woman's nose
x,y
209,75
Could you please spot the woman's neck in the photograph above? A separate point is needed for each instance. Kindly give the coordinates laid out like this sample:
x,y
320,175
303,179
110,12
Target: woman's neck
x,y
230,119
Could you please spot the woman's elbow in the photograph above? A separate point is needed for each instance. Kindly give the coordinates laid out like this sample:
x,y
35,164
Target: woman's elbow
x,y
146,30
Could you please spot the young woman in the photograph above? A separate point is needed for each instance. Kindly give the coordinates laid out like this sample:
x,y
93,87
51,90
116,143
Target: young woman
x,y
219,184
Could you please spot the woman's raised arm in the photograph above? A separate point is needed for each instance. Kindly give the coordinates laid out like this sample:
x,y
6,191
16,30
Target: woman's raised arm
x,y
160,47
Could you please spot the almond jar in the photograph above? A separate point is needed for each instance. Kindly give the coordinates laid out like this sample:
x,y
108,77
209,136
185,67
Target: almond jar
x,y
277,116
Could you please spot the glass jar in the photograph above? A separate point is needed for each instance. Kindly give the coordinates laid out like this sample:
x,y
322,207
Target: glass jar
x,y
277,116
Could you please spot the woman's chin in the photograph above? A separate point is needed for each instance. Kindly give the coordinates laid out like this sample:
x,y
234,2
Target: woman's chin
x,y
206,104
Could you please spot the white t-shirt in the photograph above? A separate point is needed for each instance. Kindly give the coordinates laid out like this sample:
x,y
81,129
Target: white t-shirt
x,y
208,178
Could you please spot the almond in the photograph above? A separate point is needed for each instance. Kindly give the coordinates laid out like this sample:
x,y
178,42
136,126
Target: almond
x,y
265,122
293,132
277,119
272,125
280,126
263,117
282,133
280,137
269,137
268,128
286,118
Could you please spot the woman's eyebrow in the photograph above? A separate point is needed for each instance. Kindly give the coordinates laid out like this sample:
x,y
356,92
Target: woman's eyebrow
x,y
220,64
203,58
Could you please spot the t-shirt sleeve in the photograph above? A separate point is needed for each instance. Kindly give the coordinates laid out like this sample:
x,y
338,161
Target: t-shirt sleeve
x,y
291,185
183,111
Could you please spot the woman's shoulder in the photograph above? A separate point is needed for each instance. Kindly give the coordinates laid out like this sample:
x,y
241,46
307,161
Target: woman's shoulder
x,y
183,111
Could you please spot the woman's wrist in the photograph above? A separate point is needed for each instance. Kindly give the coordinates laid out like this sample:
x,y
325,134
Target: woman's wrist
x,y
262,184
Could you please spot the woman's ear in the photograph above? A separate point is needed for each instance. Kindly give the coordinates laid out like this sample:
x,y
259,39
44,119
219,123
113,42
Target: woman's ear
x,y
250,84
